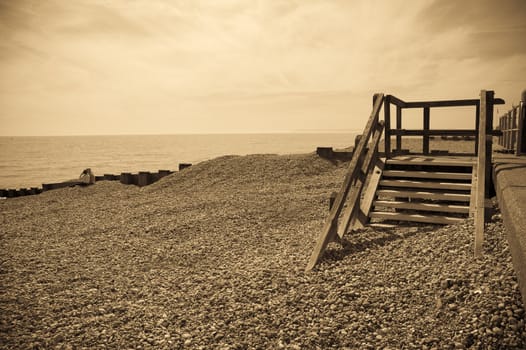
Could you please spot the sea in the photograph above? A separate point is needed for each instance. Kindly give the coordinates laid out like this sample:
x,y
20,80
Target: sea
x,y
33,160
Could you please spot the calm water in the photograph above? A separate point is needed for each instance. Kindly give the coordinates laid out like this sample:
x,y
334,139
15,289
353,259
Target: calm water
x,y
31,161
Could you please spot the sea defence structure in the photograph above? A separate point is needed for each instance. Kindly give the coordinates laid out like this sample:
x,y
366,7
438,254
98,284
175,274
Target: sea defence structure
x,y
142,178
433,185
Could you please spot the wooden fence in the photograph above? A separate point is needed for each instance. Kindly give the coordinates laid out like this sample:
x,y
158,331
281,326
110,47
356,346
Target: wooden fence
x,y
513,136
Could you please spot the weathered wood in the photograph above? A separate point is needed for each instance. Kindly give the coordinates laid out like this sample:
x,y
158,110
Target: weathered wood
x,y
473,193
425,140
434,132
362,218
356,191
423,195
324,152
430,161
354,167
398,126
485,105
387,121
446,208
143,178
396,101
427,175
126,178
430,219
428,185
448,103
183,166
520,131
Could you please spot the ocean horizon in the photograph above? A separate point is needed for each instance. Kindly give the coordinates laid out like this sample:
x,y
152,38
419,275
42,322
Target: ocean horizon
x,y
30,161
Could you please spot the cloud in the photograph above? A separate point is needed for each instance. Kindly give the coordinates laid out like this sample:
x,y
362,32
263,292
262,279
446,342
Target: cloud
x,y
161,59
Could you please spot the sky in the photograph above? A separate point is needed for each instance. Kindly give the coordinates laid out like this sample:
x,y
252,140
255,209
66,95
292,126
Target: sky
x,y
94,67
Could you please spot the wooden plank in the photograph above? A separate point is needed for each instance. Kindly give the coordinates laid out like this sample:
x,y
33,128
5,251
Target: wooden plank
x,y
473,193
427,175
354,197
426,184
370,194
327,232
446,208
485,105
434,132
445,103
396,101
430,219
424,195
387,121
430,161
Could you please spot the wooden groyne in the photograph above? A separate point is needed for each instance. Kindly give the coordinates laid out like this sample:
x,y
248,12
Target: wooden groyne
x,y
141,179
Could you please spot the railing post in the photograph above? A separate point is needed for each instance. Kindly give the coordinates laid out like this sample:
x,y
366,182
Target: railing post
x,y
521,148
399,127
477,118
515,132
501,128
387,129
425,139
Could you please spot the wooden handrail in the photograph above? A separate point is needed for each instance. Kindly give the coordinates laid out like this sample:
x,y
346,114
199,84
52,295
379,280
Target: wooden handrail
x,y
426,132
350,183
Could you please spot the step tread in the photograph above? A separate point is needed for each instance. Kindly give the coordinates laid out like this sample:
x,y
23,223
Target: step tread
x,y
429,185
425,195
432,219
449,208
427,174
429,161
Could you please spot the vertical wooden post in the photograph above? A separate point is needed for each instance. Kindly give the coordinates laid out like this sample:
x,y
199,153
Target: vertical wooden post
x,y
399,127
485,123
477,117
425,140
514,134
183,166
126,178
143,178
501,127
522,129
489,141
387,129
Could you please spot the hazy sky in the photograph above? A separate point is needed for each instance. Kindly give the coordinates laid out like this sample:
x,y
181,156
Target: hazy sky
x,y
200,66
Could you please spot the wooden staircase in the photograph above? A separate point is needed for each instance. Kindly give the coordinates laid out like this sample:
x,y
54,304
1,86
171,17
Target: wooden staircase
x,y
434,190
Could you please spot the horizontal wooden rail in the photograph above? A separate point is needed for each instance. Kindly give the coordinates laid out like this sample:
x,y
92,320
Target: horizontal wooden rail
x,y
434,132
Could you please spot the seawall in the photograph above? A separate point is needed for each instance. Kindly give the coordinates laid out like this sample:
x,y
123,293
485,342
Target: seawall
x,y
509,177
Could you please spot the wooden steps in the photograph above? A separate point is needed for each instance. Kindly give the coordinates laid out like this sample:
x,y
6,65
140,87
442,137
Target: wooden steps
x,y
427,190
430,219
427,175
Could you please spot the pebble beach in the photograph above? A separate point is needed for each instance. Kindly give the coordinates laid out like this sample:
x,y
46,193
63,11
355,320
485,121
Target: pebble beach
x,y
213,257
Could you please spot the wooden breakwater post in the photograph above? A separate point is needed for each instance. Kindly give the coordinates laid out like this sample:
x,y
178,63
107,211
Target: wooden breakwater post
x,y
183,166
126,179
143,178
